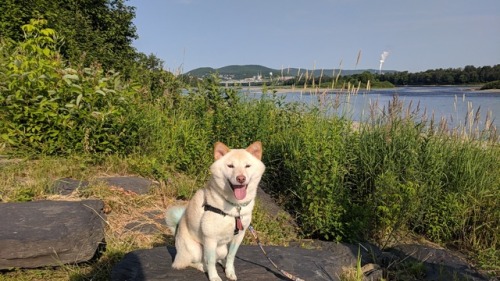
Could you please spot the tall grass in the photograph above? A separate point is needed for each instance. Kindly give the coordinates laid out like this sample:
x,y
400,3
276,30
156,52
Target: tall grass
x,y
398,171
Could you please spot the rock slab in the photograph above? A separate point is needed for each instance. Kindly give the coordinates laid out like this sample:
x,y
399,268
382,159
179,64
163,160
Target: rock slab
x,y
251,264
440,264
66,186
311,265
50,233
137,185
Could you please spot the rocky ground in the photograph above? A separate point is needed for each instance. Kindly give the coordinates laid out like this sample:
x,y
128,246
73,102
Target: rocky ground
x,y
54,232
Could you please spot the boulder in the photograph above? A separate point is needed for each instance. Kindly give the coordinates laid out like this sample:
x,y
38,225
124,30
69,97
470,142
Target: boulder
x,y
50,233
251,264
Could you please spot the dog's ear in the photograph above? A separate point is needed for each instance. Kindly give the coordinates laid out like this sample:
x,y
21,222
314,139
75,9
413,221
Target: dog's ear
x,y
220,150
255,149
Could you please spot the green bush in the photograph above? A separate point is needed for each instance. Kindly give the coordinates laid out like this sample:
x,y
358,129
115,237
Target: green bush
x,y
382,84
49,108
491,85
315,155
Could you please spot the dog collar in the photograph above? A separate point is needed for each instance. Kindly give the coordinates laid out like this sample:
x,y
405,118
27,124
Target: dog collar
x,y
238,205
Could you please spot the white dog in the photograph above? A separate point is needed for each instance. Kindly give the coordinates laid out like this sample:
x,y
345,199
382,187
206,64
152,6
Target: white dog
x,y
210,229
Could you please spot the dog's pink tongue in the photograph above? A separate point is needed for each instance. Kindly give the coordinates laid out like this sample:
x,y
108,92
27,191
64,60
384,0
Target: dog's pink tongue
x,y
240,191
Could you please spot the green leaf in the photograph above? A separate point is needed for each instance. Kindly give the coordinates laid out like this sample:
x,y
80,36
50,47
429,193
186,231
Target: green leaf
x,y
47,31
46,52
71,77
101,93
76,87
79,99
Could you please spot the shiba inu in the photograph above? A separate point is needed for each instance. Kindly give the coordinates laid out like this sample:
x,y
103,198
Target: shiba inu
x,y
210,229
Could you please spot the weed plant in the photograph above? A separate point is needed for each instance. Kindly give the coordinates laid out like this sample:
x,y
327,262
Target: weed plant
x,y
49,108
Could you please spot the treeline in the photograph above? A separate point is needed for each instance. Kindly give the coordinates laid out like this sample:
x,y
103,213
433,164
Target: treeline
x,y
340,81
469,75
450,76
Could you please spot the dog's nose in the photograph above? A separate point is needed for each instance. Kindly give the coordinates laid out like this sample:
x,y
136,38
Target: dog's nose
x,y
241,178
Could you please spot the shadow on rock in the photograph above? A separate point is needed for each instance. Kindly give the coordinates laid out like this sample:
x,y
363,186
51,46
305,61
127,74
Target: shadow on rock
x,y
427,263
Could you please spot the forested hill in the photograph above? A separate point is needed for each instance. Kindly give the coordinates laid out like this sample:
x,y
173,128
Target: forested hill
x,y
248,71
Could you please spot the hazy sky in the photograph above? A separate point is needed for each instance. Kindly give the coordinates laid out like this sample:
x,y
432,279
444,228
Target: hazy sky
x,y
417,34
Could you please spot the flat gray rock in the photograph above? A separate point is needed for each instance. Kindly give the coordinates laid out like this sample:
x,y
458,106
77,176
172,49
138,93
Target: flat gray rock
x,y
137,185
440,264
66,186
146,228
50,233
311,265
251,264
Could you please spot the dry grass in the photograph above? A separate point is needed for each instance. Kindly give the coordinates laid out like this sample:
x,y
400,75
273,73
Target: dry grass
x,y
127,214
132,221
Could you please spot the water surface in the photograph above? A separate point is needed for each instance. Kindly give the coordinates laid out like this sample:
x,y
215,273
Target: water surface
x,y
451,103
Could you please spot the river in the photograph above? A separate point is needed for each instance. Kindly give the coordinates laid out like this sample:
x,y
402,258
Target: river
x,y
450,102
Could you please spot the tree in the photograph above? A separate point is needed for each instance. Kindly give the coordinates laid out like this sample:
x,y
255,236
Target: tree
x,y
148,71
92,30
365,77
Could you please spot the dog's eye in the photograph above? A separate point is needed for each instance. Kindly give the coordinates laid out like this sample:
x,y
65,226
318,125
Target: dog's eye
x,y
230,166
248,166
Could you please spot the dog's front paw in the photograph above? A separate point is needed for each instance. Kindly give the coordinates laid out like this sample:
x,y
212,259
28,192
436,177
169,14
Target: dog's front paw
x,y
215,278
198,266
231,275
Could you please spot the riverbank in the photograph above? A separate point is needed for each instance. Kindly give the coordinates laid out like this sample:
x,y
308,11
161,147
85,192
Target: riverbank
x,y
496,91
318,90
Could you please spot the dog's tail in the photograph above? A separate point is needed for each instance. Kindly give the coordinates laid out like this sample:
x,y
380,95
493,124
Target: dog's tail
x,y
172,217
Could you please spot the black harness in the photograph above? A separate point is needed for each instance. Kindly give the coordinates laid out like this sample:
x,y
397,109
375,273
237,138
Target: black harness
x,y
237,220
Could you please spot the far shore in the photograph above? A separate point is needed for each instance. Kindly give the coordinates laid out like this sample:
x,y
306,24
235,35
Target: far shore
x,y
317,90
489,90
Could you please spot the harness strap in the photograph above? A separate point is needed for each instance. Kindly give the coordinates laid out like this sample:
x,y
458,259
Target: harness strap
x,y
237,220
213,209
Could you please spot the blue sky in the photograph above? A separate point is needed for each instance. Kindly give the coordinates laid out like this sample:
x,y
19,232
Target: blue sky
x,y
419,35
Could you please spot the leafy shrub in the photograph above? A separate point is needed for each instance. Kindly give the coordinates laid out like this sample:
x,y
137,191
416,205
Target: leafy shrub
x,y
491,85
382,84
315,166
50,108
